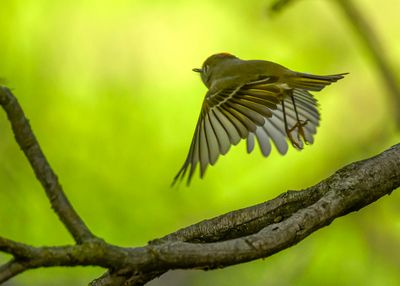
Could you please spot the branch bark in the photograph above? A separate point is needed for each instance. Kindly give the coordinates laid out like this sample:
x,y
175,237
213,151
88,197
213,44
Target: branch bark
x,y
236,237
44,173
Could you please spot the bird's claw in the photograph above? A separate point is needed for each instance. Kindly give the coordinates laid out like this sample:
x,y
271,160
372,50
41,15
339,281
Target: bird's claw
x,y
300,134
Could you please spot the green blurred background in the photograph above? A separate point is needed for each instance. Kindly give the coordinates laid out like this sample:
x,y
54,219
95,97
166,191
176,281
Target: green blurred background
x,y
109,91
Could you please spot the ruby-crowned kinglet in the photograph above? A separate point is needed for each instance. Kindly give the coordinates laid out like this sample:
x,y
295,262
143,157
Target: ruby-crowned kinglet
x,y
252,99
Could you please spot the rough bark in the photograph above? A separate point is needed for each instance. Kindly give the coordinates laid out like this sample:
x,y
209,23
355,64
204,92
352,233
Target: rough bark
x,y
44,173
236,237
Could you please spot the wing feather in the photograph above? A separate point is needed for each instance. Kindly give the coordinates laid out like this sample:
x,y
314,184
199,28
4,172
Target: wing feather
x,y
247,124
264,141
250,142
254,106
230,128
212,141
203,149
259,100
254,112
275,129
193,156
240,127
221,133
248,113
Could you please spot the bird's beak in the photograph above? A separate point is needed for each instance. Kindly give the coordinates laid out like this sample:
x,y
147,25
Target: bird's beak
x,y
197,70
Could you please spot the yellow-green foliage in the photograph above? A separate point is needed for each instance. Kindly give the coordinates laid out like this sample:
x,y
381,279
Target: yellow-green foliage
x,y
109,91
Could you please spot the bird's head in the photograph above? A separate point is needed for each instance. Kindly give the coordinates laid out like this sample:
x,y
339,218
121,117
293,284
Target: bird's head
x,y
210,64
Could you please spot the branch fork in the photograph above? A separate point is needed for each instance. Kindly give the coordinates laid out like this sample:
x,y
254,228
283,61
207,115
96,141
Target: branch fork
x,y
236,237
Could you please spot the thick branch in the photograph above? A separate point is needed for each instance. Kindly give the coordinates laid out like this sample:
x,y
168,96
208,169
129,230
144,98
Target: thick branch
x,y
11,269
349,189
245,221
297,215
240,236
44,173
17,249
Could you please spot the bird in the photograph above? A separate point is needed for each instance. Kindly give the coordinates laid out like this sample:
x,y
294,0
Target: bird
x,y
253,100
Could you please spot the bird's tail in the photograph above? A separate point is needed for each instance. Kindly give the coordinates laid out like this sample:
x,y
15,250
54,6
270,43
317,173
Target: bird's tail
x,y
313,82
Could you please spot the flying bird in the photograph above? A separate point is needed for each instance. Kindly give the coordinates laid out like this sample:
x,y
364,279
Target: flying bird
x,y
254,100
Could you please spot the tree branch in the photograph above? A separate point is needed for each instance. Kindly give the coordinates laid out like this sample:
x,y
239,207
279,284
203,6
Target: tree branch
x,y
15,248
245,221
44,173
236,237
349,189
11,269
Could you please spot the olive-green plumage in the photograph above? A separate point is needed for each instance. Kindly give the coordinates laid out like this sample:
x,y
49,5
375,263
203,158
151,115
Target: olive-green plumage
x,y
252,99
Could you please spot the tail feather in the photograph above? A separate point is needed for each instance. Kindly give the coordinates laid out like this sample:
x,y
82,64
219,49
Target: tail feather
x,y
313,82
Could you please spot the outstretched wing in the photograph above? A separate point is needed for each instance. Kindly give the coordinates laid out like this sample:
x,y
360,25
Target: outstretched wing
x,y
274,127
226,117
256,111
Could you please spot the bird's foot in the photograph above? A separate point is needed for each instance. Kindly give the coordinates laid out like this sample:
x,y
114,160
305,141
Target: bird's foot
x,y
300,134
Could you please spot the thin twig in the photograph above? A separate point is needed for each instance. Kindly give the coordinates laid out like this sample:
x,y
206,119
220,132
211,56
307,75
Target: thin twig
x,y
44,173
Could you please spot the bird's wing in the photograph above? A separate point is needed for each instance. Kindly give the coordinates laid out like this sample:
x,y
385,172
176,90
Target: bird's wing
x,y
274,127
252,110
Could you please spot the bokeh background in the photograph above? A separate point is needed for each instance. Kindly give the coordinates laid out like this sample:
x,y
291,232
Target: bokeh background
x,y
108,88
